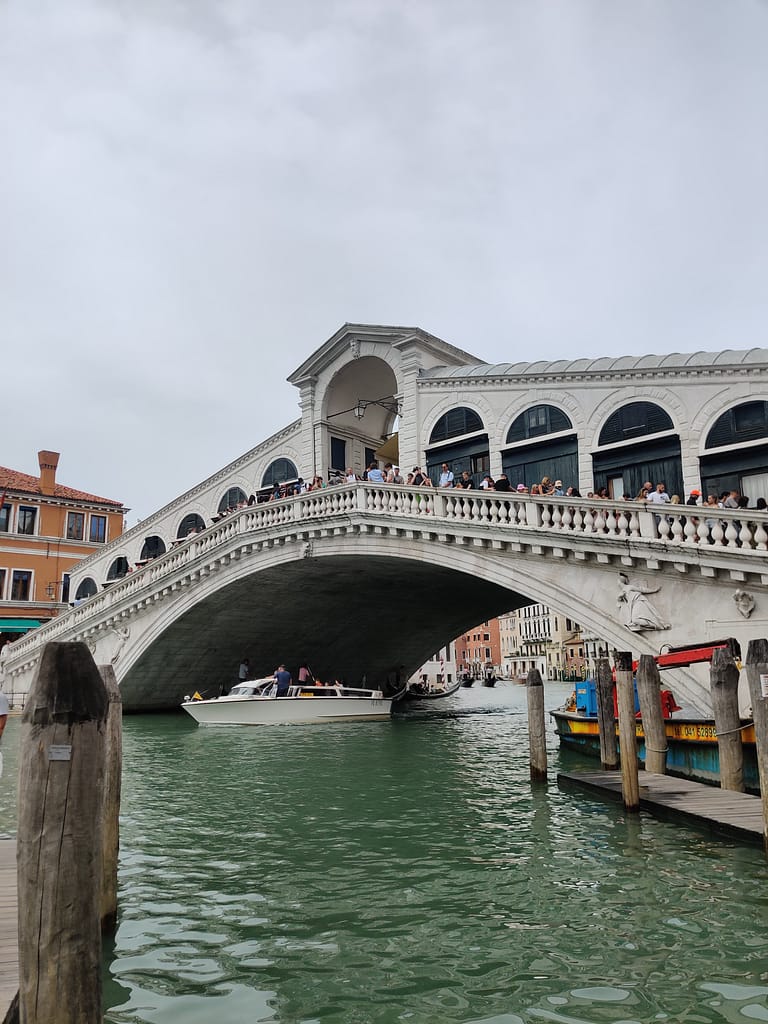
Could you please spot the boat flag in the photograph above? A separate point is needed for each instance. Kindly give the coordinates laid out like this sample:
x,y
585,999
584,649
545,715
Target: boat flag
x,y
197,696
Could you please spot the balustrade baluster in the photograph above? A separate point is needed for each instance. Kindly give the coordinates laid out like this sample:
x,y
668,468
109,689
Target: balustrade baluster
x,y
610,522
566,521
578,520
589,521
677,530
690,530
522,514
662,527
745,535
546,516
761,537
622,523
731,534
599,521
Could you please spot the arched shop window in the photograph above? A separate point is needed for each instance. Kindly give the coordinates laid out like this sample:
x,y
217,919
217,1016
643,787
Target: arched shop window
x,y
192,523
637,419
532,455
454,424
86,589
733,460
632,452
279,472
232,499
537,421
153,547
466,453
118,569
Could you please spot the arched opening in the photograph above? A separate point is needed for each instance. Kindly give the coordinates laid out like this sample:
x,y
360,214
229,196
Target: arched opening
x,y
736,452
118,569
152,547
232,498
362,414
86,589
532,453
190,524
459,439
636,445
281,471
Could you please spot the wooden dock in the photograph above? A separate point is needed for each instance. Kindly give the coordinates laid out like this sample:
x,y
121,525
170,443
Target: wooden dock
x,y
9,940
735,815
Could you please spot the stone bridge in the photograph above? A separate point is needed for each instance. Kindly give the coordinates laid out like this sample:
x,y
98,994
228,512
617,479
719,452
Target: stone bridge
x,y
368,580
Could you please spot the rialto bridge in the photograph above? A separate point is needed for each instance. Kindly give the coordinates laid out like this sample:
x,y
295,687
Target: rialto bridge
x,y
366,579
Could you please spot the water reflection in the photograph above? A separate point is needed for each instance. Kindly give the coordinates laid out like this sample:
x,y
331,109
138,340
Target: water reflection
x,y
407,870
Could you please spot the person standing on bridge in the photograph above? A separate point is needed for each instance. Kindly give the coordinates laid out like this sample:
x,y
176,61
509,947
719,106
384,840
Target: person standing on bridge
x,y
446,476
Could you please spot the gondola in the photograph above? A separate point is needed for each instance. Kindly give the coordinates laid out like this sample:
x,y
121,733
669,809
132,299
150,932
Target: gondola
x,y
418,692
489,681
467,680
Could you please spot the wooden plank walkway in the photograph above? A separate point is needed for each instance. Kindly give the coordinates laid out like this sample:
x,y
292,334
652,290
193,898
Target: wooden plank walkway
x,y
9,942
736,815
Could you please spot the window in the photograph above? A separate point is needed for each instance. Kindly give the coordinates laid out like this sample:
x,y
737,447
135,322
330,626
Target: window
x,y
454,424
746,422
65,588
75,525
535,422
637,419
191,523
21,584
339,453
98,531
2,584
278,472
152,547
118,569
233,497
5,518
86,589
487,653
26,521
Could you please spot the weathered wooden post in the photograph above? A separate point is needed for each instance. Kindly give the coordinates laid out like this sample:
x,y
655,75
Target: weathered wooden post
x,y
536,726
649,693
606,716
630,785
113,762
724,685
757,676
61,775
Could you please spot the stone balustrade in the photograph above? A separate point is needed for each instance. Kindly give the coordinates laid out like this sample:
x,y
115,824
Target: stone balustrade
x,y
742,533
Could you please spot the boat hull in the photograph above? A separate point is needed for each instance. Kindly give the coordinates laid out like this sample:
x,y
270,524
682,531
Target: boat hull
x,y
287,710
692,751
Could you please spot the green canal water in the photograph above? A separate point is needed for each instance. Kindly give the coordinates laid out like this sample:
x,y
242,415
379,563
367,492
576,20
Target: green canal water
x,y
367,873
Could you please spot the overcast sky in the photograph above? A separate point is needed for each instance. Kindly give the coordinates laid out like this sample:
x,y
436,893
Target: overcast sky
x,y
198,193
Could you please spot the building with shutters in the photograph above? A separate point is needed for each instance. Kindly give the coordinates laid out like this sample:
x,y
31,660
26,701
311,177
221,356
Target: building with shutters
x,y
45,528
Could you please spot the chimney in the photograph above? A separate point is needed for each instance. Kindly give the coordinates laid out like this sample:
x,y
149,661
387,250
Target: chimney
x,y
48,462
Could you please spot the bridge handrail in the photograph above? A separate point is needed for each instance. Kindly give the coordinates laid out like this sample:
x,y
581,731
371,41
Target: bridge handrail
x,y
737,531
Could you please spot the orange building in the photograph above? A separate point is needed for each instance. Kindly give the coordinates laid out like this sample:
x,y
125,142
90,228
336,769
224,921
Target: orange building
x,y
45,528
479,649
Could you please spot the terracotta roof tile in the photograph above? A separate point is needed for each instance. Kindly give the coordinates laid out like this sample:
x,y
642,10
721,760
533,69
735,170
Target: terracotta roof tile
x,y
12,480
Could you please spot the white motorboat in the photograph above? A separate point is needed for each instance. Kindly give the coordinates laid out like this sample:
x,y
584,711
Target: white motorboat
x,y
256,703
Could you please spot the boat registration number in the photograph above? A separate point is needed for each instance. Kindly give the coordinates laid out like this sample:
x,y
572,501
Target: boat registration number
x,y
694,732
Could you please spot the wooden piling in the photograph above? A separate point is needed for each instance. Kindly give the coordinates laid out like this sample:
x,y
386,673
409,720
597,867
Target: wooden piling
x,y
112,787
536,726
630,786
757,676
724,685
61,775
606,716
649,693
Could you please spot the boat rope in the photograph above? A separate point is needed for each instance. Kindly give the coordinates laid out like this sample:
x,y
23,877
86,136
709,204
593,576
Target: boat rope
x,y
730,732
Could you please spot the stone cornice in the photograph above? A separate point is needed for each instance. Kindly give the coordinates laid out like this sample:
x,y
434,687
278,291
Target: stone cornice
x,y
590,377
141,528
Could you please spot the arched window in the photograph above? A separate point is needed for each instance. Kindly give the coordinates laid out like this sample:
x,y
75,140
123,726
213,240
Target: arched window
x,y
278,472
637,419
153,547
745,422
191,523
537,421
86,589
232,499
454,424
118,569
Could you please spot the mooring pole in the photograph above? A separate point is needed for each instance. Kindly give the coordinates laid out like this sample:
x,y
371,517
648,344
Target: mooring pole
x,y
61,776
649,693
757,676
606,715
630,785
536,726
724,686
112,788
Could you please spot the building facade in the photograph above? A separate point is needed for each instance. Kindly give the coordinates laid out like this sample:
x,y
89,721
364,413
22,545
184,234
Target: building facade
x,y
45,529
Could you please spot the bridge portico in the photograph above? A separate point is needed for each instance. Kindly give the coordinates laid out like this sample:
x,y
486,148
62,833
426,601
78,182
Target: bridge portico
x,y
362,579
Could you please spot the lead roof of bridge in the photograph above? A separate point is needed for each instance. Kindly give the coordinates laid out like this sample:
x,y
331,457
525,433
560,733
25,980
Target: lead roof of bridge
x,y
605,364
